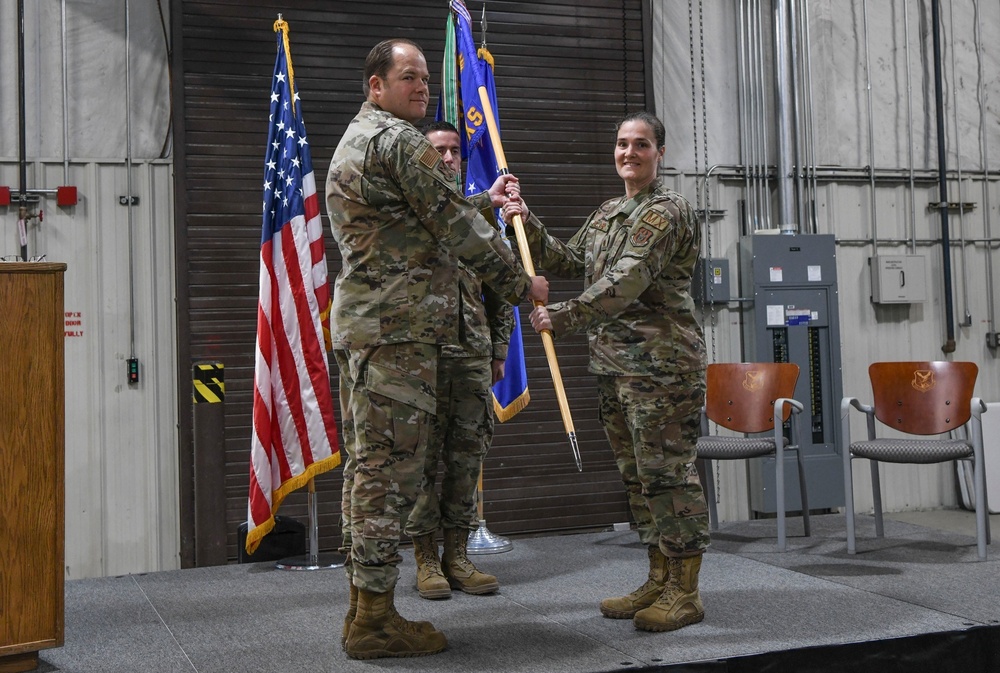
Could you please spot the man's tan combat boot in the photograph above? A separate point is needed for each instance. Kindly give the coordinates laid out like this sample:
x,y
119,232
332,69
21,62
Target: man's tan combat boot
x,y
431,582
459,570
379,631
679,604
625,607
352,611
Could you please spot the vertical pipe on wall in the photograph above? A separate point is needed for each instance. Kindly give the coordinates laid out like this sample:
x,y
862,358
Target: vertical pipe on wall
x,y
984,153
810,126
762,121
128,179
795,91
967,319
784,114
22,145
909,131
949,309
871,134
742,107
65,96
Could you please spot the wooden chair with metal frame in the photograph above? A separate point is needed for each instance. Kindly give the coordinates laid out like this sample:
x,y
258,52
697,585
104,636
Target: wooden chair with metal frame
x,y
922,399
747,397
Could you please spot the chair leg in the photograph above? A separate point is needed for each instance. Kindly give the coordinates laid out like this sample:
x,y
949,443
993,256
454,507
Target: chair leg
x,y
849,500
982,534
709,488
877,499
803,498
779,492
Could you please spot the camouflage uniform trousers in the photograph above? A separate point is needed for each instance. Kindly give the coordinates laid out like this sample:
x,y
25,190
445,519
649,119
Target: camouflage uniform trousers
x,y
347,447
461,435
391,406
653,424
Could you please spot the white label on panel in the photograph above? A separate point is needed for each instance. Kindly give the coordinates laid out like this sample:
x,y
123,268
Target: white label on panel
x,y
775,274
815,272
775,314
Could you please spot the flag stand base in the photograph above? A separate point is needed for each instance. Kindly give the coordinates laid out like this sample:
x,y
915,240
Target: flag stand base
x,y
323,561
482,541
312,560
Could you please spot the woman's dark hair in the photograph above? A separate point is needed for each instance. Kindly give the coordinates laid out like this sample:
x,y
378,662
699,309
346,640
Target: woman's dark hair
x,y
659,133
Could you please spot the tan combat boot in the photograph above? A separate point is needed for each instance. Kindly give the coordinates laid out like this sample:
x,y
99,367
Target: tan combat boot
x,y
679,604
459,570
431,582
352,610
379,631
625,607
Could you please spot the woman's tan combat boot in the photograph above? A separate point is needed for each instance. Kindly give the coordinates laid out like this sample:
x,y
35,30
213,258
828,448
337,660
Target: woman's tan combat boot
x,y
625,607
679,604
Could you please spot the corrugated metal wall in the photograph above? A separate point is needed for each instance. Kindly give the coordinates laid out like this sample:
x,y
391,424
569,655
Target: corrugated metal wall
x,y
121,439
563,70
870,332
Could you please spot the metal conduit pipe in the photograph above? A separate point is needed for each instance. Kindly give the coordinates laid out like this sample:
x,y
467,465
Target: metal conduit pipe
x,y
786,123
984,152
22,146
741,92
128,179
871,132
795,82
762,120
967,319
949,310
909,129
752,121
810,124
65,96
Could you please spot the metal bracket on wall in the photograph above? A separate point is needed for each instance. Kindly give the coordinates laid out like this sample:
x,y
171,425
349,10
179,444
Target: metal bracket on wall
x,y
952,205
128,200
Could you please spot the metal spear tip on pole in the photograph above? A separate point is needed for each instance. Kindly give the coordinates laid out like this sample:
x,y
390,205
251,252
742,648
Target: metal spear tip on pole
x,y
576,451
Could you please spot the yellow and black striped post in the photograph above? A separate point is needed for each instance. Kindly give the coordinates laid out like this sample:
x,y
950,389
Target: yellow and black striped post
x,y
208,384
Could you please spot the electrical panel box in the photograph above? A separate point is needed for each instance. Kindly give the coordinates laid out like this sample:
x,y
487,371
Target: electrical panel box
x,y
898,279
795,317
710,284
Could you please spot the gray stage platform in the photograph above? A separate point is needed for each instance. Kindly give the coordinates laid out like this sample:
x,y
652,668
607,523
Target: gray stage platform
x,y
253,618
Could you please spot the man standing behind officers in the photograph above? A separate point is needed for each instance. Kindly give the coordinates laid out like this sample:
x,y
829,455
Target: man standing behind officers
x,y
463,427
396,218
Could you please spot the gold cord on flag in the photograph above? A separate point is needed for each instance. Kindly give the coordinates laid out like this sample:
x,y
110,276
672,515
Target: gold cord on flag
x,y
282,25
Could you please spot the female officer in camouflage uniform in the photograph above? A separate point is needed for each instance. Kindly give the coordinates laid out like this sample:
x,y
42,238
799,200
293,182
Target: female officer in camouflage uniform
x,y
636,254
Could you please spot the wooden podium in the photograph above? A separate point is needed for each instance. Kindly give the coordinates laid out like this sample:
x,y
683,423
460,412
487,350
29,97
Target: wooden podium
x,y
32,479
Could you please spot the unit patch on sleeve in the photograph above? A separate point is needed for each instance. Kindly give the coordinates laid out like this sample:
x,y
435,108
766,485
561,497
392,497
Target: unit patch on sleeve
x,y
641,236
654,219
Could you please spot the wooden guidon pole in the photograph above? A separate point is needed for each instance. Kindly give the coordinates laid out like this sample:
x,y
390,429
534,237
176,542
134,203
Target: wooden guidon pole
x,y
522,246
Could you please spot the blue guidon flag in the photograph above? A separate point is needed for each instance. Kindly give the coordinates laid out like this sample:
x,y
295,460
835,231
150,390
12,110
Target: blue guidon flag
x,y
465,70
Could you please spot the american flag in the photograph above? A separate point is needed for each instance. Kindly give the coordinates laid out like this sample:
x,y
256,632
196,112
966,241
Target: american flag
x,y
294,431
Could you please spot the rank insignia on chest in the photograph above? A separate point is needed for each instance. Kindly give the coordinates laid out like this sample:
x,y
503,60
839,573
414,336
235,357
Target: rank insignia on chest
x,y
655,220
641,237
430,157
601,225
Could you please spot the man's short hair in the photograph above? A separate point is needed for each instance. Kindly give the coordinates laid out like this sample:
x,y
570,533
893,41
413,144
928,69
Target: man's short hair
x,y
380,59
439,126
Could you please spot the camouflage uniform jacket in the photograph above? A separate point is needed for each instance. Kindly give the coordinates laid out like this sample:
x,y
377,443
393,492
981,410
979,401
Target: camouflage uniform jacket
x,y
637,256
486,320
396,218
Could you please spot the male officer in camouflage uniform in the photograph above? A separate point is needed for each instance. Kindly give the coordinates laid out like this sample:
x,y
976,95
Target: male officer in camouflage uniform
x,y
463,428
636,254
396,220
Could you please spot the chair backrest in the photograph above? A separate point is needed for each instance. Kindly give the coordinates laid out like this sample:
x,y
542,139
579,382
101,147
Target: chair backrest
x,y
740,396
923,398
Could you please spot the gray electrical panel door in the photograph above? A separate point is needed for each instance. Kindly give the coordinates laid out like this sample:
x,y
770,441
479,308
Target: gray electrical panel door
x,y
794,317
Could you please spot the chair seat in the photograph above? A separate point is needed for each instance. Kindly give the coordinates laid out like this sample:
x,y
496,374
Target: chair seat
x,y
714,447
904,450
